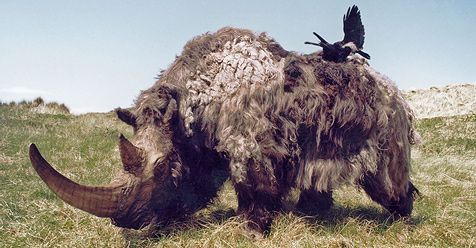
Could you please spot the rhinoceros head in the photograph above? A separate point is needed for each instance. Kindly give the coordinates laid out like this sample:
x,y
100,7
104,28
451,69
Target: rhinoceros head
x,y
145,190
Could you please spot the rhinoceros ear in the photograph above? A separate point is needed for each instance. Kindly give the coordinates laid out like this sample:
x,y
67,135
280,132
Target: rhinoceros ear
x,y
169,112
126,116
130,156
173,90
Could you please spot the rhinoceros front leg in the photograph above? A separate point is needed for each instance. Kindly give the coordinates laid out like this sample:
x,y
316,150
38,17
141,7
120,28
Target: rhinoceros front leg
x,y
258,195
312,202
258,208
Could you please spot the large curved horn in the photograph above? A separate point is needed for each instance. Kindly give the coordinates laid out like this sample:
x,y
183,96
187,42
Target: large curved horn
x,y
100,201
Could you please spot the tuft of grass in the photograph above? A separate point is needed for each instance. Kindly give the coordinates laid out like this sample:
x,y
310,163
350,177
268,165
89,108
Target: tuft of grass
x,y
39,105
84,148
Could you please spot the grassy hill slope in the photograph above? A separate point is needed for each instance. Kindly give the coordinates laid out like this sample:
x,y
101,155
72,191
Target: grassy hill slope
x,y
84,148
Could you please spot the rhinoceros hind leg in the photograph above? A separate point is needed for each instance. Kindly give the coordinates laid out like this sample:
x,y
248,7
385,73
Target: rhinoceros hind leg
x,y
401,207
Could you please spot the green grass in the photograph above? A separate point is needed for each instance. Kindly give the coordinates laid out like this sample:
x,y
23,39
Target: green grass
x,y
452,136
84,148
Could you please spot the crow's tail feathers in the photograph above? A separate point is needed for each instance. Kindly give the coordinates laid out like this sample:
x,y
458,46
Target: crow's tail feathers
x,y
364,54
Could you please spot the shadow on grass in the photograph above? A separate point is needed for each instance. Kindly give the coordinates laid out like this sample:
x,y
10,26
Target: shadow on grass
x,y
337,215
163,230
329,219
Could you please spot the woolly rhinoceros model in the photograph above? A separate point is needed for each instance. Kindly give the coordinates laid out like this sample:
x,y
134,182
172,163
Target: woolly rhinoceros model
x,y
236,105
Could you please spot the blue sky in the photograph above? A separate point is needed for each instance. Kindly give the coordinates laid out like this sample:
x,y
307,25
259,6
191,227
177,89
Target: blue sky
x,y
98,55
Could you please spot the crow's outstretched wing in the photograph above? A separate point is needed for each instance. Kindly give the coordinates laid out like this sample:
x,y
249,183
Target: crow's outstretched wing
x,y
353,28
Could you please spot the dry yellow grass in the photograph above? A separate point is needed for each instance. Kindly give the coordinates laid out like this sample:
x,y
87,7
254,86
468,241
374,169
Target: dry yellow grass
x,y
84,148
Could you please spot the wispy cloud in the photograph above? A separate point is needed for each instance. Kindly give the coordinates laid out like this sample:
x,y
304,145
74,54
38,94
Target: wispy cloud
x,y
24,91
21,93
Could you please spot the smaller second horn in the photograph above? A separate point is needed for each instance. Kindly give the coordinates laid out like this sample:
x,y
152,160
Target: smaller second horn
x,y
131,156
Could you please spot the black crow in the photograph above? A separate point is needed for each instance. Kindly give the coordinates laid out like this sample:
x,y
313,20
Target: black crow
x,y
354,35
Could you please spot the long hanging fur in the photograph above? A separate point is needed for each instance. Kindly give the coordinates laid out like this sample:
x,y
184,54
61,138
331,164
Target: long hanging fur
x,y
286,120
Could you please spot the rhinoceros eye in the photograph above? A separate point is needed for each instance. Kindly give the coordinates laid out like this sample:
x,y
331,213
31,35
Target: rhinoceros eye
x,y
161,169
160,161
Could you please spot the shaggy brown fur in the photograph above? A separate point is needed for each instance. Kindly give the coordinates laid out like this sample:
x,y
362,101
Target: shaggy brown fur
x,y
282,120
237,105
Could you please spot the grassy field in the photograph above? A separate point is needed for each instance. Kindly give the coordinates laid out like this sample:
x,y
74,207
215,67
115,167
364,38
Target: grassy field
x,y
84,148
